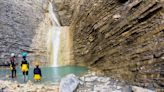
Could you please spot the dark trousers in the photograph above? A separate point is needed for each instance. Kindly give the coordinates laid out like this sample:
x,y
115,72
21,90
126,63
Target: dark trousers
x,y
13,75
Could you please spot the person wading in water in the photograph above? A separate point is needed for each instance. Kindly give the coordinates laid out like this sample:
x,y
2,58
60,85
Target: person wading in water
x,y
13,65
37,73
24,67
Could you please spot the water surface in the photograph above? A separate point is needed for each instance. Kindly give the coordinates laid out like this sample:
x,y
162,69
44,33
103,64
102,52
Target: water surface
x,y
49,74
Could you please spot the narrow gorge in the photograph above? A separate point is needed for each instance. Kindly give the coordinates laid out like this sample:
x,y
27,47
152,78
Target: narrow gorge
x,y
123,39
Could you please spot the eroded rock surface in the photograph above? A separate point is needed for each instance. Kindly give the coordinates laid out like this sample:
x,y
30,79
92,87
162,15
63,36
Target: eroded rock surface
x,y
96,83
69,83
124,38
22,23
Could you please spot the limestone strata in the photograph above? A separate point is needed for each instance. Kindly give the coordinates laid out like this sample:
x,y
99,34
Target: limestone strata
x,y
65,9
65,51
123,39
22,22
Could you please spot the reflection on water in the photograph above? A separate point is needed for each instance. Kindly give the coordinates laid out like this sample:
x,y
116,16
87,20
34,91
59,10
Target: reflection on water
x,y
50,74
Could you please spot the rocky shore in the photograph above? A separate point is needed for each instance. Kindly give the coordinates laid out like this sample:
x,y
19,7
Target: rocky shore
x,y
9,86
71,83
98,83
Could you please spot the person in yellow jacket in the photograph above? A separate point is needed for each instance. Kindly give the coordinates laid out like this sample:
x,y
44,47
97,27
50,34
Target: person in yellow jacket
x,y
25,68
37,73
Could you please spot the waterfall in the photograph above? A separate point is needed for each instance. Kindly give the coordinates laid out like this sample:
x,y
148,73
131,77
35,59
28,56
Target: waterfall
x,y
55,35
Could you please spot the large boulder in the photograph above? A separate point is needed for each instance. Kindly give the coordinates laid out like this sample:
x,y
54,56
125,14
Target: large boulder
x,y
69,83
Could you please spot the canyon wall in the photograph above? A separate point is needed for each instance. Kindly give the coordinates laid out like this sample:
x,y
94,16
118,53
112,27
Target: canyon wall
x,y
23,27
123,38
65,51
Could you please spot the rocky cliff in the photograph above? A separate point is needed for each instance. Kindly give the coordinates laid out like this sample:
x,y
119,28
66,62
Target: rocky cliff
x,y
123,38
23,25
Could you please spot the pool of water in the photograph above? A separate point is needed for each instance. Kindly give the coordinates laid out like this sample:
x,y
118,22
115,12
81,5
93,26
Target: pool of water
x,y
49,74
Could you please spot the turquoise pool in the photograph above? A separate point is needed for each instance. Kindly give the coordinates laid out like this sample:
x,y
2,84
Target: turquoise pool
x,y
49,74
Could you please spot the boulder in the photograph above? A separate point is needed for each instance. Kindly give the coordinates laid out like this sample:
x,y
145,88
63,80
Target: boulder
x,y
69,83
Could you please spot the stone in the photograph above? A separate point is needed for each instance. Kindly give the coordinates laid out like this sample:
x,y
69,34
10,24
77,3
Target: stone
x,y
89,79
117,91
32,89
68,83
2,86
82,78
118,87
103,79
93,73
162,57
108,83
106,90
81,82
126,89
139,89
89,84
116,16
29,83
97,88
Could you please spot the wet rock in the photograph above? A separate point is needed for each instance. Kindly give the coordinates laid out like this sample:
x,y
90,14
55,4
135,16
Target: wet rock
x,y
69,83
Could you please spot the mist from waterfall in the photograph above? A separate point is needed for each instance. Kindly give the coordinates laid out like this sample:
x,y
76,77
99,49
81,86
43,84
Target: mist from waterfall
x,y
55,36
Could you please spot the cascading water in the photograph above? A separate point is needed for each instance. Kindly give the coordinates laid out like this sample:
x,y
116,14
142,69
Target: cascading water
x,y
55,36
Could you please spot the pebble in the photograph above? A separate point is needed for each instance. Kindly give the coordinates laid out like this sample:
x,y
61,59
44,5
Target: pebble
x,y
82,78
103,79
118,87
90,79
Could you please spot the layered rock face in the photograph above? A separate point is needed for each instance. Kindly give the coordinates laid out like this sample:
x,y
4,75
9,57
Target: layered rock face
x,y
65,51
124,38
22,23
65,9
